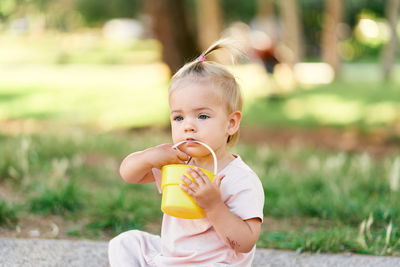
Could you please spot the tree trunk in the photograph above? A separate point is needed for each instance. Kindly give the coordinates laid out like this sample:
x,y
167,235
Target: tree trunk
x,y
266,18
209,22
330,41
171,27
389,53
292,29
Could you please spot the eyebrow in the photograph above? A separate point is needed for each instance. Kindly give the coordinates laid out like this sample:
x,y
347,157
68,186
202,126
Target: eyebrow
x,y
196,109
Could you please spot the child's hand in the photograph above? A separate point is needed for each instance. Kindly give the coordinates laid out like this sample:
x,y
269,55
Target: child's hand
x,y
164,154
205,193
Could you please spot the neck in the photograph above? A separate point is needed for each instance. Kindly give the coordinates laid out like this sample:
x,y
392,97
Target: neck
x,y
207,162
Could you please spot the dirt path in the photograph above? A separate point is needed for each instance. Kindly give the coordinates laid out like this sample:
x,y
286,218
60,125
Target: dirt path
x,y
378,143
42,252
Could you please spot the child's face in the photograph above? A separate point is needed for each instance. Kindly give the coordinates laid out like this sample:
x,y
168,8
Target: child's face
x,y
197,113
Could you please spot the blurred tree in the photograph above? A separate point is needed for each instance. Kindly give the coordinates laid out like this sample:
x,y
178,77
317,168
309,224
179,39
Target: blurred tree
x,y
266,16
6,8
355,7
329,41
61,15
389,53
96,12
238,10
171,27
292,29
209,22
265,45
312,18
302,30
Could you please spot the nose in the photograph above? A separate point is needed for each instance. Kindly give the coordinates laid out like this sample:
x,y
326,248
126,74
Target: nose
x,y
189,125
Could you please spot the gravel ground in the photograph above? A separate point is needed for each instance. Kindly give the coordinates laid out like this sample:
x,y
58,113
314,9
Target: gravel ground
x,y
43,253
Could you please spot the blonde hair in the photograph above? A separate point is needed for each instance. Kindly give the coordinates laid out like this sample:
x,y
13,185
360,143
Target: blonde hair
x,y
201,70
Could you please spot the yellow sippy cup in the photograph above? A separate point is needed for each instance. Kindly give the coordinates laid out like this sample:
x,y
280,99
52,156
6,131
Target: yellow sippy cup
x,y
175,202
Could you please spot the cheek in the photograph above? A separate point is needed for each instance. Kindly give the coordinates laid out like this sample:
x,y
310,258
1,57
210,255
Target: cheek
x,y
176,131
173,129
223,125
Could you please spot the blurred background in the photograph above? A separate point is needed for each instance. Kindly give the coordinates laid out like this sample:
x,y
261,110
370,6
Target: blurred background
x,y
83,83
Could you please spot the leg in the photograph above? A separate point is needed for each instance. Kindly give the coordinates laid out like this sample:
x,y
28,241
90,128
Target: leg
x,y
133,248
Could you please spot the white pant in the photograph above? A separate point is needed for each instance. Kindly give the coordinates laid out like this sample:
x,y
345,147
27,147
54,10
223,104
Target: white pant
x,y
134,249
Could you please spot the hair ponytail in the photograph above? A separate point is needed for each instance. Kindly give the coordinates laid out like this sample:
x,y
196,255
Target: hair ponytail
x,y
201,69
229,44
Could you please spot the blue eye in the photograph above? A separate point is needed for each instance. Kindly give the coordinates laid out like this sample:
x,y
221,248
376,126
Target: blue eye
x,y
203,117
178,118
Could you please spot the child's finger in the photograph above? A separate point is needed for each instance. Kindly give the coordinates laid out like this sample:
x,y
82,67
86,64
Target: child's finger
x,y
203,176
186,189
182,155
218,180
189,182
197,175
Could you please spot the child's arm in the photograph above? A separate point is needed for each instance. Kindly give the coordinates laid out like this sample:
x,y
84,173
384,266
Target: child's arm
x,y
136,167
240,235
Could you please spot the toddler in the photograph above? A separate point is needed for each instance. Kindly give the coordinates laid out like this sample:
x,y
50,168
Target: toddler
x,y
205,104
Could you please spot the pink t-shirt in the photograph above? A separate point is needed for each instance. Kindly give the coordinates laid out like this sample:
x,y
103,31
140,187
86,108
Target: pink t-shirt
x,y
195,242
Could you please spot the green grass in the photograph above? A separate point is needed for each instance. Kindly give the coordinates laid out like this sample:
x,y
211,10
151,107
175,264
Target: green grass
x,y
62,199
114,97
125,210
357,104
82,78
88,47
315,200
8,214
334,240
75,176
342,190
102,96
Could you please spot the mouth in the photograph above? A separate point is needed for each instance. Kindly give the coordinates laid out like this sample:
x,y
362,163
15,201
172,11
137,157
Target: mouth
x,y
190,141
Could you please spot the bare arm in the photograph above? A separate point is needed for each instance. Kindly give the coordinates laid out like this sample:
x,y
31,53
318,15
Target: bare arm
x,y
136,167
240,235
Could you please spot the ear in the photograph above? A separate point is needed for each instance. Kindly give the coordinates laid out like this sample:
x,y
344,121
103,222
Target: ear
x,y
234,122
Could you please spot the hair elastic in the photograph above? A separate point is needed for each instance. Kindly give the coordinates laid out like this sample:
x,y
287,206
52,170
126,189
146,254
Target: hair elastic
x,y
202,58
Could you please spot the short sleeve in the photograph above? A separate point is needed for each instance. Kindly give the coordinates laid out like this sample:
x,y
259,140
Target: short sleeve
x,y
243,193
